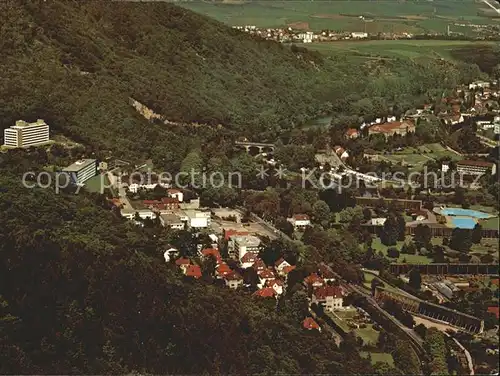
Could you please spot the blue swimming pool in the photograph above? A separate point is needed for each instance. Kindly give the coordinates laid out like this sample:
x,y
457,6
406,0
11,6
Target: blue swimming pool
x,y
467,223
465,212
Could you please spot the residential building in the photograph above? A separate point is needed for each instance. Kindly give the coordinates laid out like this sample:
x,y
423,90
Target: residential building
x,y
183,263
479,84
248,260
286,270
300,221
233,280
276,285
238,246
468,167
264,276
341,152
165,204
330,297
81,171
281,264
172,221
352,133
266,292
193,271
259,265
359,35
314,280
25,134
146,214
392,128
198,219
176,193
310,324
306,37
222,270
211,252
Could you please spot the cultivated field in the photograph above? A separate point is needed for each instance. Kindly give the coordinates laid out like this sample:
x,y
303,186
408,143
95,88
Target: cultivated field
x,y
391,48
343,15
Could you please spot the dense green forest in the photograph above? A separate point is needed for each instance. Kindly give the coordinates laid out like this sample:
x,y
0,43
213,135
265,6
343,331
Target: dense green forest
x,y
85,291
75,64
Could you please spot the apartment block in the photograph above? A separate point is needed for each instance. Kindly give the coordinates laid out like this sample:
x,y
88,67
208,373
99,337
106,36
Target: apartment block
x,y
25,134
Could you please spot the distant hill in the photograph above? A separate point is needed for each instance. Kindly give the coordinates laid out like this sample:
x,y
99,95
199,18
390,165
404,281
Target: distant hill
x,y
76,63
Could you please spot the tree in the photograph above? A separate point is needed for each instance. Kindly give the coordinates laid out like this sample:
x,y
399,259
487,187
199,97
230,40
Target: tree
x,y
422,236
477,234
421,330
208,267
390,231
393,252
321,212
415,279
461,239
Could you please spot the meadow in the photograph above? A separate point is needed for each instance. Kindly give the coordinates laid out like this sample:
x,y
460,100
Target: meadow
x,y
412,49
343,15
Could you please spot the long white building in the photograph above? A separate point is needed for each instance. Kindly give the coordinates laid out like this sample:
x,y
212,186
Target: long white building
x,y
81,171
25,134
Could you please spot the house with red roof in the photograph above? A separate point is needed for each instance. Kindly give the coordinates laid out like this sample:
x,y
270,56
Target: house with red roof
x,y
276,285
207,252
300,221
310,324
352,133
183,263
280,264
265,275
392,128
193,271
286,270
330,297
233,280
495,310
314,280
229,233
259,265
248,260
266,292
222,270
175,193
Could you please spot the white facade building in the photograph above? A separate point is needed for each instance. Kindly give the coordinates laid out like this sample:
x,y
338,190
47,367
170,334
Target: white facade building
x,y
82,170
240,245
197,219
25,134
358,35
306,37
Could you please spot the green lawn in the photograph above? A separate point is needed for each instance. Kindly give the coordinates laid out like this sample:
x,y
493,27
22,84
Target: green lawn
x,y
415,259
491,223
95,184
368,334
379,357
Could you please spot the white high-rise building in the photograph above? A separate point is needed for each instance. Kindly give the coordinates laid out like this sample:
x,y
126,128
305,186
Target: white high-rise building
x,y
81,171
25,134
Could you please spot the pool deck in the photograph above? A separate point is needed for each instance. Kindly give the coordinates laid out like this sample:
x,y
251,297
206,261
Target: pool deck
x,y
462,218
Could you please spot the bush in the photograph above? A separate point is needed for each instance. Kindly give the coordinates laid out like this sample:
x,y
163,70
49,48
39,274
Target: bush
x,y
392,252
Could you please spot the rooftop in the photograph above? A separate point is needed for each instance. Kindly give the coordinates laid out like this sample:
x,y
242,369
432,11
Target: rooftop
x,y
24,124
78,165
475,163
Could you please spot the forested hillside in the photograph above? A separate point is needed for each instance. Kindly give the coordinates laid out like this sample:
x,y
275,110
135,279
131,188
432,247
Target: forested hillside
x,y
85,292
76,63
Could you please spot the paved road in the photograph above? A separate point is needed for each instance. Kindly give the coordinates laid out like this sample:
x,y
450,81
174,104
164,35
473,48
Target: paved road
x,y
121,191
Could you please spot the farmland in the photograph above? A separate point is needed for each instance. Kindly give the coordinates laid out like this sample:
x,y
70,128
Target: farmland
x,y
391,48
343,15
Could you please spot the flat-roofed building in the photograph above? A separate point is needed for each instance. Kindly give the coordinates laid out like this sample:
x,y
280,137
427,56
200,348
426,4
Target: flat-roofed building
x,y
82,170
238,246
25,134
468,167
172,221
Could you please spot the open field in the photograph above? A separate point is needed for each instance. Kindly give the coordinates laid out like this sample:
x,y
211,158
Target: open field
x,y
95,184
414,259
416,157
367,334
343,15
391,48
379,357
